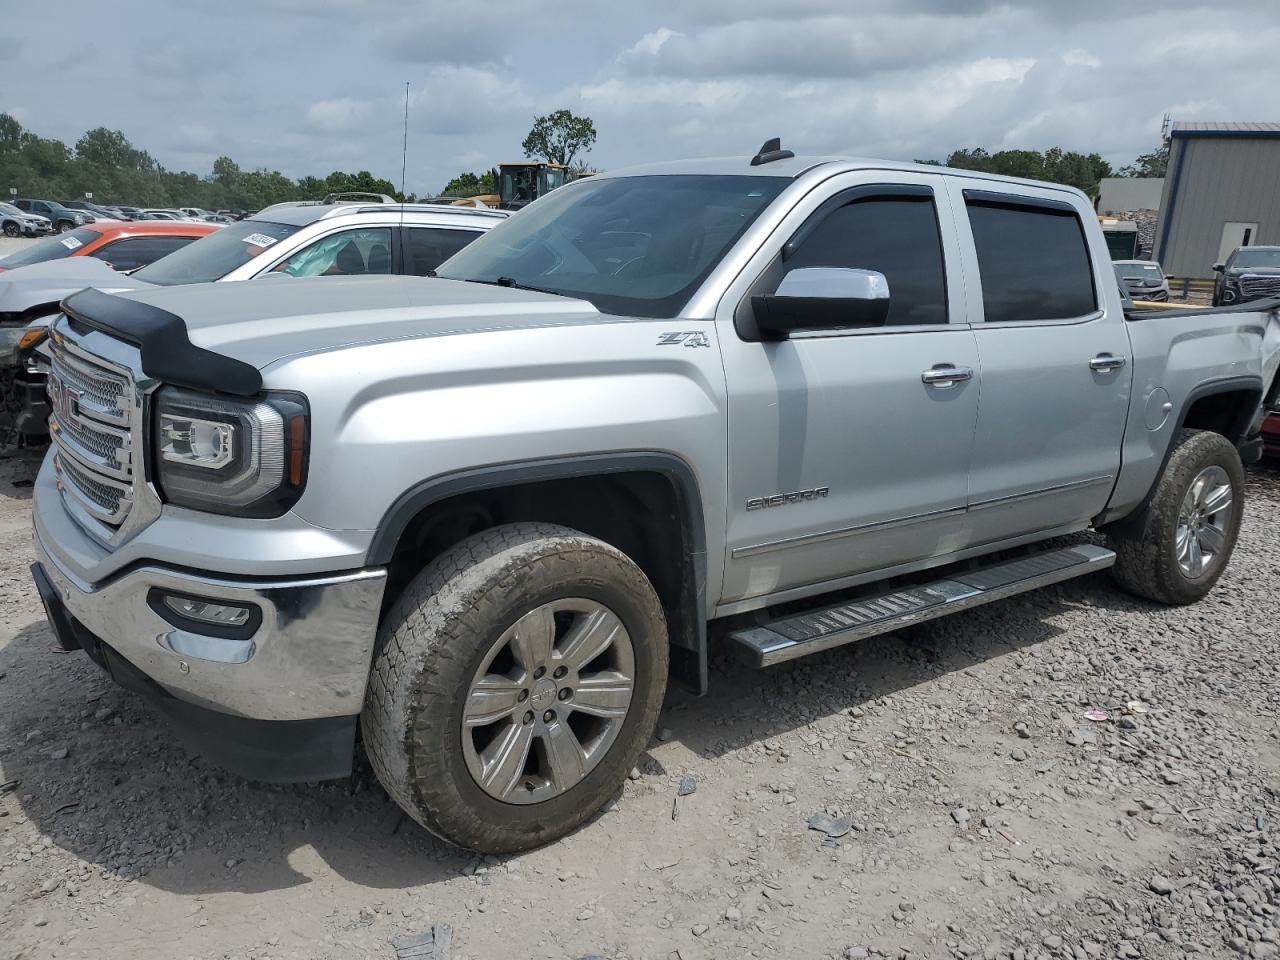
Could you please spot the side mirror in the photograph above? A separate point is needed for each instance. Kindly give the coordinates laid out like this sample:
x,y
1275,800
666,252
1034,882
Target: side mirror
x,y
1219,267
822,298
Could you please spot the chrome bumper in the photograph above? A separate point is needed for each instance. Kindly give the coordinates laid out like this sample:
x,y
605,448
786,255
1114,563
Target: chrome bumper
x,y
308,659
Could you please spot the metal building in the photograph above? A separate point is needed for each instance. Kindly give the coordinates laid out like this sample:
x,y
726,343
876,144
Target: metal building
x,y
1221,191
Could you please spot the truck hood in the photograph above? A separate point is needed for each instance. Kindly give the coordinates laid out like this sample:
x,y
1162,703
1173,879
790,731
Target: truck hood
x,y
1254,272
42,283
261,321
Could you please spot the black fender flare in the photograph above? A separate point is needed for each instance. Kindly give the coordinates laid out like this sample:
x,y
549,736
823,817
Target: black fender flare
x,y
688,640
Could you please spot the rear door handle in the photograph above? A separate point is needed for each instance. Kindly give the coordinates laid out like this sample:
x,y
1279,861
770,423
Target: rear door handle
x,y
1105,361
946,375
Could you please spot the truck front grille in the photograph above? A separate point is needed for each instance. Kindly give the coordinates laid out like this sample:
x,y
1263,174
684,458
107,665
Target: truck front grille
x,y
1255,288
91,427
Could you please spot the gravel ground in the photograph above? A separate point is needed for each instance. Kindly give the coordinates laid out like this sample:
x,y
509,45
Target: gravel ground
x,y
973,809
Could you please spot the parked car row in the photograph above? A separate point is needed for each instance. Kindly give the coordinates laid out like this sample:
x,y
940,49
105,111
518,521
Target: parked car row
x,y
52,216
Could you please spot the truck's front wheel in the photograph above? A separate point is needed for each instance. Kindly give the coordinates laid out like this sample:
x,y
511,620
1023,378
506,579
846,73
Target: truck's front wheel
x,y
516,681
1177,549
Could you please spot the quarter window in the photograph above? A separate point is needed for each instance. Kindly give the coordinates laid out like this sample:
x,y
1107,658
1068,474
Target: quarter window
x,y
1034,263
896,236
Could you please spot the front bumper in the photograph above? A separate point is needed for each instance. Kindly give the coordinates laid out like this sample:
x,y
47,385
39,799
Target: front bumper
x,y
309,656
274,751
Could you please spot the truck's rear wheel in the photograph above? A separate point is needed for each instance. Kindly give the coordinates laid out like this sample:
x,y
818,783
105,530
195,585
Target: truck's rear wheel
x,y
516,681
1176,551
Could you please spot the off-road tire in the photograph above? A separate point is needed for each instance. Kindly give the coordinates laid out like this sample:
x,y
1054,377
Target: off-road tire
x,y
1146,547
430,645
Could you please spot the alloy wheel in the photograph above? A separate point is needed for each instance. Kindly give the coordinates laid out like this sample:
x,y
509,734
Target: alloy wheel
x,y
548,701
1203,521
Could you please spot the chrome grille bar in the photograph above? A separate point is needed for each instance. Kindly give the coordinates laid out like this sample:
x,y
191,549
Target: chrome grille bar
x,y
92,430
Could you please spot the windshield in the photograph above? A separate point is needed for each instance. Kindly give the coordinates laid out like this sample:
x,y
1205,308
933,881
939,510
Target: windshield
x,y
50,248
1139,271
632,246
1257,258
10,209
214,256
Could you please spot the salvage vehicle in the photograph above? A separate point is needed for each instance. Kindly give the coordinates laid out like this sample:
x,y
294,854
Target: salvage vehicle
x,y
481,518
19,223
1250,273
62,218
304,239
1145,279
124,245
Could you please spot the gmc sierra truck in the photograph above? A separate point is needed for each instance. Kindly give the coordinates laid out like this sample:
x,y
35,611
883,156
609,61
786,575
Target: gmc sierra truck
x,y
480,519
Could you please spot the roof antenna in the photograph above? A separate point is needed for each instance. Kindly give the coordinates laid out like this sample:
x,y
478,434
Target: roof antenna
x,y
404,156
771,151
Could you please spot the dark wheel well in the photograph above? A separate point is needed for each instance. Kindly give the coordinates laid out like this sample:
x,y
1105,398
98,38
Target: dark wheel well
x,y
1229,413
645,514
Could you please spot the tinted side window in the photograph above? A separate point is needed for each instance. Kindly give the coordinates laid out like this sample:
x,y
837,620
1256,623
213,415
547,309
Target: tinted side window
x,y
133,252
897,237
1034,263
428,247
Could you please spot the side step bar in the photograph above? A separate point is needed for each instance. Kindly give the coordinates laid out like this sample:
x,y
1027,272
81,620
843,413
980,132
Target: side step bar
x,y
806,633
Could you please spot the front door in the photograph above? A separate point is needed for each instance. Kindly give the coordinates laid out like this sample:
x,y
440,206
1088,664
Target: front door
x,y
1056,365
848,449
1235,235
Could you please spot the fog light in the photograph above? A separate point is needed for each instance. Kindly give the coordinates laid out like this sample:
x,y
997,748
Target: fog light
x,y
214,614
1229,295
206,617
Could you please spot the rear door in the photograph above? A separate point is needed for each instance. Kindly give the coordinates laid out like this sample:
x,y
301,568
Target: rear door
x,y
425,248
1055,362
846,453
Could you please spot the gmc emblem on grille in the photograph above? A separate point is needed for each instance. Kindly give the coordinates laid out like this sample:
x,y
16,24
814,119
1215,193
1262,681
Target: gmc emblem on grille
x,y
65,401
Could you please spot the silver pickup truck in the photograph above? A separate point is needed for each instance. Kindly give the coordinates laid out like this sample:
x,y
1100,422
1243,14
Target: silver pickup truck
x,y
480,519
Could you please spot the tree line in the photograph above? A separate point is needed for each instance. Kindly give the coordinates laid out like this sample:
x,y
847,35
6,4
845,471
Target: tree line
x,y
106,164
103,162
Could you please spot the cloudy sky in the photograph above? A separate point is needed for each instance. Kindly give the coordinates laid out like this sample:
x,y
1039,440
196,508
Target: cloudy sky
x,y
309,86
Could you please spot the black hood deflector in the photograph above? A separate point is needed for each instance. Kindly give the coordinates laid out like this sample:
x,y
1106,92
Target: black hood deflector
x,y
167,351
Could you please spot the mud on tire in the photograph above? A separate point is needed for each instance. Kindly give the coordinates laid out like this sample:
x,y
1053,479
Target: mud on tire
x,y
440,636
1152,558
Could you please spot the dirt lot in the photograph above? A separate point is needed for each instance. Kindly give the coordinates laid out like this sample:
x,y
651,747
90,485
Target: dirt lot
x,y
988,817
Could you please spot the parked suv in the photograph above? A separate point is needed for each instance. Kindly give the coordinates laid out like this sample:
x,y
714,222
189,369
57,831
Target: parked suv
x,y
484,516
1250,273
19,223
96,211
62,218
289,240
1144,279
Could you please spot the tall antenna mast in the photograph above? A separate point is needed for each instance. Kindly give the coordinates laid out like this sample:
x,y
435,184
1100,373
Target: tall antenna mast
x,y
404,156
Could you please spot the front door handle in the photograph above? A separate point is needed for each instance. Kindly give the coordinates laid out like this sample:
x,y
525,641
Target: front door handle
x,y
946,375
1105,362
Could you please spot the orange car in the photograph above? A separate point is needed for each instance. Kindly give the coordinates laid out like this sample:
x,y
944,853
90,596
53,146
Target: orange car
x,y
126,245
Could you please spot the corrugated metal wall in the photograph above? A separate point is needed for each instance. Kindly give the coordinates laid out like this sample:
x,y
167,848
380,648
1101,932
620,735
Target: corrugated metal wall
x,y
1211,181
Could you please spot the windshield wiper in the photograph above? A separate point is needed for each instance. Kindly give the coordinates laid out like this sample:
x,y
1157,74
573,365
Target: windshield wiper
x,y
517,285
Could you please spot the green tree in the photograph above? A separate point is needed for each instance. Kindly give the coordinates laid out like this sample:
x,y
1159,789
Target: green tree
x,y
1055,165
470,185
559,137
1153,164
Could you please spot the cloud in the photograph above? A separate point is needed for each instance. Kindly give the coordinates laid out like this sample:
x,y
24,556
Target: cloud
x,y
667,78
340,115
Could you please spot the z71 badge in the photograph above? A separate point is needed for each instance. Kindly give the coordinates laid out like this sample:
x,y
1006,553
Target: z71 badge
x,y
690,338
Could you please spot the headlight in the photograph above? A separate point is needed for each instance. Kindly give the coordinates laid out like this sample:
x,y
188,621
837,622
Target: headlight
x,y
246,458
